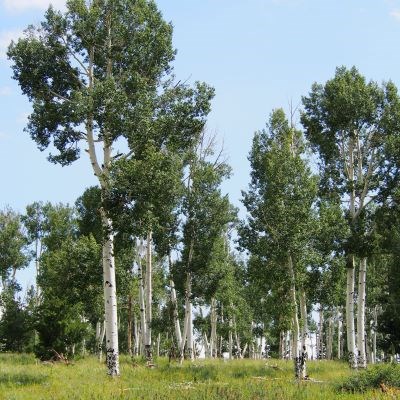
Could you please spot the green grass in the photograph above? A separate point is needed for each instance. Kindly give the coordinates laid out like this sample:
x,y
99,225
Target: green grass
x,y
24,378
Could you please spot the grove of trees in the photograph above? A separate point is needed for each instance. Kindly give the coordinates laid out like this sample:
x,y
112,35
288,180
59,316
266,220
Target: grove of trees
x,y
155,260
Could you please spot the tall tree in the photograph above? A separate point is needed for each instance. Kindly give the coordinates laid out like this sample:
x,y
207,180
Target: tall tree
x,y
96,74
348,121
279,203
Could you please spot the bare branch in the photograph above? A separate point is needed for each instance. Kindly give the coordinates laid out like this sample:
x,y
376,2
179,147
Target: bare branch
x,y
73,55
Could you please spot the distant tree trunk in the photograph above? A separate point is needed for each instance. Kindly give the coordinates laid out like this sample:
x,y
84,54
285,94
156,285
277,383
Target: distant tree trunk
x,y
339,335
237,339
282,345
213,322
320,338
136,335
129,325
101,340
375,325
351,338
298,362
190,351
149,298
207,347
230,340
84,347
329,344
362,359
244,350
158,344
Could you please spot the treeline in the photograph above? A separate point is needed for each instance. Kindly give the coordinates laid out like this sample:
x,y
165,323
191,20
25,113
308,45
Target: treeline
x,y
180,287
154,236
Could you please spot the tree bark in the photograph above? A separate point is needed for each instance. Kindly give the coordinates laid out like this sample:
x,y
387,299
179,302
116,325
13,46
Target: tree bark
x,y
141,299
329,344
213,321
129,326
190,332
362,359
175,316
351,338
339,335
149,297
110,299
299,362
230,340
304,323
136,335
375,325
320,341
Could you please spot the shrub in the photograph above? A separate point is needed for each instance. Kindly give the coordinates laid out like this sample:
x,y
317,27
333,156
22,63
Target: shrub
x,y
388,374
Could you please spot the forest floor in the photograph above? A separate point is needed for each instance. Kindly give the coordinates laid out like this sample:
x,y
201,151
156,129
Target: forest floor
x,y
24,378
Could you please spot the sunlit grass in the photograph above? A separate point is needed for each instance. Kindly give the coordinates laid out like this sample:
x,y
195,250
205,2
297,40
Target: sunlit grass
x,y
22,377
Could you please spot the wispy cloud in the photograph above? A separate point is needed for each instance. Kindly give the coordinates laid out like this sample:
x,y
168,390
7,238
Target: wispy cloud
x,y
5,40
22,5
395,14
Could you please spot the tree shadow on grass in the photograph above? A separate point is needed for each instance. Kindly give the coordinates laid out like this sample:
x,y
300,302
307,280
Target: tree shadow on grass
x,y
21,379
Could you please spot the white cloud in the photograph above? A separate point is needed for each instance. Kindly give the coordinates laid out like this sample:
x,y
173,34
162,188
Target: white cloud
x,y
22,5
395,14
5,40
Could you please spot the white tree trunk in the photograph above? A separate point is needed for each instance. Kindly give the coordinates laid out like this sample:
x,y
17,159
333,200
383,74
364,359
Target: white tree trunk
x,y
230,345
329,344
102,174
206,345
339,335
129,326
188,316
375,325
110,300
282,345
190,333
351,335
237,339
175,316
320,339
362,359
158,344
100,331
141,298
213,321
304,324
149,298
298,361
136,335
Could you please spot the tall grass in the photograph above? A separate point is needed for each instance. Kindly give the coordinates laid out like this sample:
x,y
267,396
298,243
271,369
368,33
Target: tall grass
x,y
23,378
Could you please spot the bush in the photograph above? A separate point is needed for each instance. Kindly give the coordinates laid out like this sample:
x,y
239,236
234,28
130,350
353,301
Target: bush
x,y
388,374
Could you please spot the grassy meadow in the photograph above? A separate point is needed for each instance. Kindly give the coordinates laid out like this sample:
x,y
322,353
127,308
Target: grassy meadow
x,y
22,377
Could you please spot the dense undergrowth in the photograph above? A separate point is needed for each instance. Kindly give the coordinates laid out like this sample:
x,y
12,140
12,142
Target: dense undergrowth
x,y
383,377
22,377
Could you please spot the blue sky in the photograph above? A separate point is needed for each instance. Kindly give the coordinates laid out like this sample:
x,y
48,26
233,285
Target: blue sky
x,y
258,54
